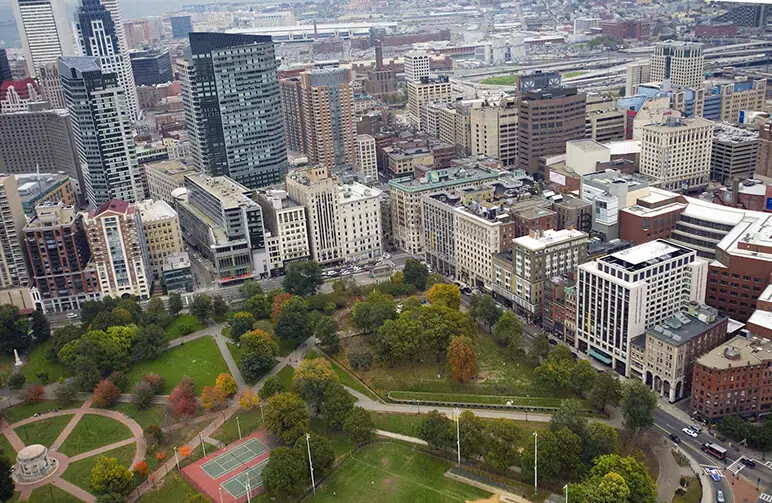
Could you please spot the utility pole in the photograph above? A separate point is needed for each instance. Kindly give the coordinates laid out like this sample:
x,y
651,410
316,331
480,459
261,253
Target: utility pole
x,y
458,436
310,465
535,461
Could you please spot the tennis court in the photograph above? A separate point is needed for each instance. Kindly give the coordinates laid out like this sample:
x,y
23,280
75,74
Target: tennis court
x,y
234,458
237,486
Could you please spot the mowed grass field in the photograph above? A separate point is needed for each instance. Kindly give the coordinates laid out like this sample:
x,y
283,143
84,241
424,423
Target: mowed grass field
x,y
200,359
387,472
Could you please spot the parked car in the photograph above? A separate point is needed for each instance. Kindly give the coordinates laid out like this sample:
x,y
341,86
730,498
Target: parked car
x,y
72,315
720,496
748,462
553,342
690,432
675,438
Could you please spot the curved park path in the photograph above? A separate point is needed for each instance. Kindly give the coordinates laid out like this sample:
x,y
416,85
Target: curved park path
x,y
64,461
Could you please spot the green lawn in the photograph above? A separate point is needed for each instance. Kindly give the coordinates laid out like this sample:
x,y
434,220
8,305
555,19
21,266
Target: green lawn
x,y
234,351
386,472
286,375
480,399
229,431
199,359
6,448
575,73
154,414
79,472
693,492
173,490
25,410
352,382
502,80
44,431
36,362
48,494
173,330
92,432
339,440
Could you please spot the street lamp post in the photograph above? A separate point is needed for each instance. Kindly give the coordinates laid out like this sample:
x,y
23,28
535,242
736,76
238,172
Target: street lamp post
x,y
458,436
220,490
310,464
201,439
238,425
566,488
262,416
535,461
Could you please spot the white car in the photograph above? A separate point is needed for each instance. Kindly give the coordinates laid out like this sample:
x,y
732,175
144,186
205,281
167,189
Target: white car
x,y
72,315
690,432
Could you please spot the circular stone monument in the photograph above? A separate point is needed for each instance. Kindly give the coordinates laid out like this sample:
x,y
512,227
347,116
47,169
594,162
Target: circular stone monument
x,y
33,464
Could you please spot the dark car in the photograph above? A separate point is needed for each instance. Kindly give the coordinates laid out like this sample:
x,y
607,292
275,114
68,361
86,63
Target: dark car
x,y
553,342
748,462
675,438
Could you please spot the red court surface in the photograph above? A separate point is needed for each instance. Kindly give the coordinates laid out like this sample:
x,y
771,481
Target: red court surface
x,y
224,471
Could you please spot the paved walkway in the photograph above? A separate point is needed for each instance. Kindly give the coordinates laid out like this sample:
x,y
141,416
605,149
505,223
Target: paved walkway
x,y
77,414
669,478
398,436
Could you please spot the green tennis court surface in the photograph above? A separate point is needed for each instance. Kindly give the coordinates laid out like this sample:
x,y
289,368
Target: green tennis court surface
x,y
237,486
234,458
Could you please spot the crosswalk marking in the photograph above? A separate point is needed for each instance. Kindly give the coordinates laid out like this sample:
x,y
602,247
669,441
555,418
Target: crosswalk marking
x,y
736,466
765,496
768,464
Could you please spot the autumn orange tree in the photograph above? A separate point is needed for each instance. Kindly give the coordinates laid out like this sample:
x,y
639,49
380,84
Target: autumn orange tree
x,y
461,358
446,295
184,451
227,384
140,468
278,303
248,400
212,397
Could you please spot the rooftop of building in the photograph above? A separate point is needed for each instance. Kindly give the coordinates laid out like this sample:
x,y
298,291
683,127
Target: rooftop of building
x,y
612,176
738,352
672,124
645,255
748,237
701,209
599,247
229,192
441,178
534,213
151,210
176,261
354,191
572,203
277,196
81,63
686,325
643,211
219,234
761,318
171,167
32,185
624,147
544,239
729,133
52,214
587,145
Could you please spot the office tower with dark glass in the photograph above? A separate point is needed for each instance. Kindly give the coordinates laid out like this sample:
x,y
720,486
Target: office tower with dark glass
x,y
101,35
181,26
5,68
102,130
230,91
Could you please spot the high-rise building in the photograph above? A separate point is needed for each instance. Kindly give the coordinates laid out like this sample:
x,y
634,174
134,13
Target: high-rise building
x,y
417,65
344,219
101,35
493,131
58,253
547,120
233,113
637,73
119,250
367,161
102,130
677,152
137,33
51,85
151,68
5,68
44,30
420,93
318,192
163,177
20,96
734,153
225,225
681,62
604,123
622,294
381,81
163,236
328,116
48,143
13,269
286,230
764,155
181,26
292,111
751,15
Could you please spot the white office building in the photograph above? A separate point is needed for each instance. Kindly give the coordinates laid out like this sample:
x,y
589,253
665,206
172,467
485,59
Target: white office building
x,y
417,65
366,159
44,30
622,294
